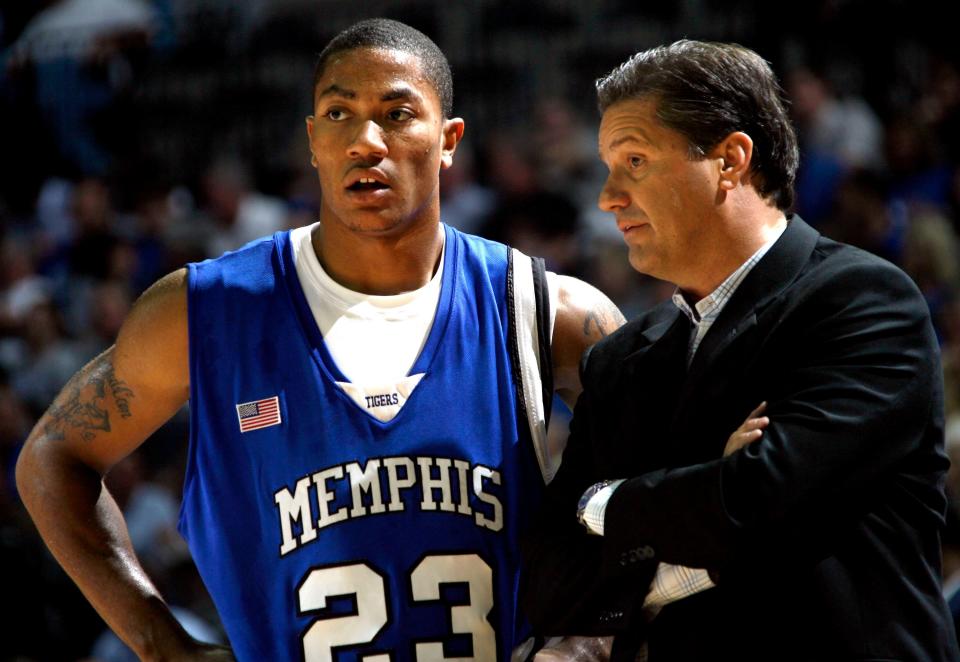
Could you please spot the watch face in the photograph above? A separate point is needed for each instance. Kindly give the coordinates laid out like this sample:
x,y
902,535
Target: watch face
x,y
585,499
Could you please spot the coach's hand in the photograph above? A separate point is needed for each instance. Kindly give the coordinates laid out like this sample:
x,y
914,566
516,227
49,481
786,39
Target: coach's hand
x,y
749,431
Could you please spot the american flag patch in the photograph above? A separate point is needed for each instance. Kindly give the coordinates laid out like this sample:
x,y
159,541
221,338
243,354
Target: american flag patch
x,y
259,414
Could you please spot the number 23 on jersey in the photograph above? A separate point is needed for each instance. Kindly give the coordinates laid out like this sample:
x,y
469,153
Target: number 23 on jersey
x,y
367,587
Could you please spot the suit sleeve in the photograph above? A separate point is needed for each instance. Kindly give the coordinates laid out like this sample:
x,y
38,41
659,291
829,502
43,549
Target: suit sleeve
x,y
851,401
564,590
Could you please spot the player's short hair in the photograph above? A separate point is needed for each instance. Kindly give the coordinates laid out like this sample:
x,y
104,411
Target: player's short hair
x,y
393,35
706,91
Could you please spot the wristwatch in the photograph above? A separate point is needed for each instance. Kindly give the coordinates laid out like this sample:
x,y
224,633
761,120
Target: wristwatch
x,y
585,499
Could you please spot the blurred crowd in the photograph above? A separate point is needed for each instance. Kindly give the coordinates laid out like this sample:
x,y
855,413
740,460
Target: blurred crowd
x,y
105,189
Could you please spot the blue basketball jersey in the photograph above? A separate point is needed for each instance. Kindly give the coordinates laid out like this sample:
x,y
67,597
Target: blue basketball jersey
x,y
323,533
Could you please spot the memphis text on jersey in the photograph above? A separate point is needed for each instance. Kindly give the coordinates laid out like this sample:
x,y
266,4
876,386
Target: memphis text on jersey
x,y
386,485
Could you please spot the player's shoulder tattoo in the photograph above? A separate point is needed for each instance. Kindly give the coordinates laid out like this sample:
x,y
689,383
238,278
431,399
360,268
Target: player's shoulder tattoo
x,y
84,403
602,319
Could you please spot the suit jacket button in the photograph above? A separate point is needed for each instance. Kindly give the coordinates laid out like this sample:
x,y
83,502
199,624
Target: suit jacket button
x,y
610,615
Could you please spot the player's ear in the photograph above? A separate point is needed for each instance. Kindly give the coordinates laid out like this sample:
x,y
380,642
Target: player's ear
x,y
313,157
734,154
452,134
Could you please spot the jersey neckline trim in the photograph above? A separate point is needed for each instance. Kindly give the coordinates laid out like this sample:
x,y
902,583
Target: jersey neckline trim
x,y
314,338
395,306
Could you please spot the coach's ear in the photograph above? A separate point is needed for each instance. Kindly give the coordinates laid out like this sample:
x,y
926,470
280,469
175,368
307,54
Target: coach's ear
x,y
452,134
733,155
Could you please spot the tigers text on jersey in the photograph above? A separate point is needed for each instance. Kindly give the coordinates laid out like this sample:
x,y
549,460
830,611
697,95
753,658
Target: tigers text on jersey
x,y
326,533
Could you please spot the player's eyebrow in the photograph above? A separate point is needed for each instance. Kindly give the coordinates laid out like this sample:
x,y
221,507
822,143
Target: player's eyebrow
x,y
401,92
336,90
394,93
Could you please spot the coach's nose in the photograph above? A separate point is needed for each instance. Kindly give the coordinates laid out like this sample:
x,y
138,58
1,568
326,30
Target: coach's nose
x,y
612,196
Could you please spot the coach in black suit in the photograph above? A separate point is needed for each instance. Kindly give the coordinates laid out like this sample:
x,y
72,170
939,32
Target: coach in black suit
x,y
822,536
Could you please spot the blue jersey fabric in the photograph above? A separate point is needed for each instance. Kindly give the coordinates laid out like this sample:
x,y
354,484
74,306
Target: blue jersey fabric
x,y
331,535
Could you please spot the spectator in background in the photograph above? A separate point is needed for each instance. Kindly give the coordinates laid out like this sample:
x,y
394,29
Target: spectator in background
x,y
540,223
46,357
565,152
836,135
52,222
509,164
235,213
20,285
931,257
81,53
88,252
97,248
861,216
843,127
153,216
917,170
529,214
464,202
938,106
109,304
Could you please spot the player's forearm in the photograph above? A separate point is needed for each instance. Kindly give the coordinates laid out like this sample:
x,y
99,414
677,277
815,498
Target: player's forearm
x,y
84,529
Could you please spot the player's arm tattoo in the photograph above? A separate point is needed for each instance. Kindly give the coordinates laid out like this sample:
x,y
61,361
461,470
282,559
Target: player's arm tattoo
x,y
602,320
83,403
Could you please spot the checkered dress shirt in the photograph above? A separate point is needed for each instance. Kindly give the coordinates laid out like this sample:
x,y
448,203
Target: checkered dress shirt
x,y
706,311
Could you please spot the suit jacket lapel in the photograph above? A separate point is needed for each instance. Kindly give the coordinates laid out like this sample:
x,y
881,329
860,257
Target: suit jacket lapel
x,y
665,342
775,271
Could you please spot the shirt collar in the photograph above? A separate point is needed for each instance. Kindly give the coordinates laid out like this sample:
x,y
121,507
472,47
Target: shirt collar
x,y
707,308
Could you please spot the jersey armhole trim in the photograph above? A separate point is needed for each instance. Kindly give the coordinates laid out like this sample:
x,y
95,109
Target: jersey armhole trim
x,y
528,306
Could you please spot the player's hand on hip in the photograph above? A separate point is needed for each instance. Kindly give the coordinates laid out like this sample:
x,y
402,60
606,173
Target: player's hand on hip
x,y
749,431
576,649
209,653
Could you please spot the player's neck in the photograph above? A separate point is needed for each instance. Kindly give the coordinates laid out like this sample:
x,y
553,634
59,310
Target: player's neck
x,y
379,265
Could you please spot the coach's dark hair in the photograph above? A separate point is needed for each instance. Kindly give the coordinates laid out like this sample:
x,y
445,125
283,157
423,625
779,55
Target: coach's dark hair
x,y
394,35
705,91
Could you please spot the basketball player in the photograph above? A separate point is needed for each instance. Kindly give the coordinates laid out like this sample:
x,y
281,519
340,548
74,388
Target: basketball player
x,y
368,397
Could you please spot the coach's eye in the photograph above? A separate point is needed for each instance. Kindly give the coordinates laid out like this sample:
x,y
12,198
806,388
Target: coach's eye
x,y
636,161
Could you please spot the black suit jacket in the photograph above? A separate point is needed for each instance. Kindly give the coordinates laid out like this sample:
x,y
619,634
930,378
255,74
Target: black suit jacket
x,y
823,537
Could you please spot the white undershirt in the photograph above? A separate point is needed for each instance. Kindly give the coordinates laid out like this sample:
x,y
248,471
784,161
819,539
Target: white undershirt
x,y
372,339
